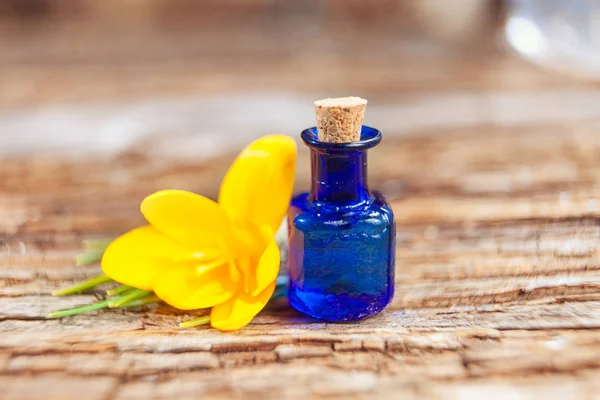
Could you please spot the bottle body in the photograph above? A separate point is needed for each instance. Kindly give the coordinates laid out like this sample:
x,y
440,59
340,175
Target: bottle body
x,y
341,239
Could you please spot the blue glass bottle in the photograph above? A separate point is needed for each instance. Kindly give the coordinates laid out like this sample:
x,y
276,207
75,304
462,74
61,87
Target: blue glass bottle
x,y
341,235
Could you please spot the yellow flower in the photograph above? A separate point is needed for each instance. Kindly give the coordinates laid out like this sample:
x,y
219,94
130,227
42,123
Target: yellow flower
x,y
196,253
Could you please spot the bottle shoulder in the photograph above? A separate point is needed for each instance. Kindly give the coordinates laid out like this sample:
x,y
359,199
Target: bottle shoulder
x,y
375,212
377,201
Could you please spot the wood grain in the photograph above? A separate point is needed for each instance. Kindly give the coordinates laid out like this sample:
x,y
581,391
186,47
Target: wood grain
x,y
497,283
490,165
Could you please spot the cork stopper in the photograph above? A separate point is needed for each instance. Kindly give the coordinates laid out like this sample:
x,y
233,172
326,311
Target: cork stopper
x,y
340,120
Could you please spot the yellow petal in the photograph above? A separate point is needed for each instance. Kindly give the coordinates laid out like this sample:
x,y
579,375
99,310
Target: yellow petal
x,y
250,240
234,274
261,266
189,219
189,288
258,187
138,256
247,266
267,268
240,310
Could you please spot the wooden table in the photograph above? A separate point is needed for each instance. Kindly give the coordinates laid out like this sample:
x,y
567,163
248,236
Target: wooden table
x,y
498,268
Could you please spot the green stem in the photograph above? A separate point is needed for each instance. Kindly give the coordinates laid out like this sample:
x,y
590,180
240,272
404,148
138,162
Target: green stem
x,y
89,257
103,304
79,310
119,290
282,280
143,301
195,322
94,250
80,287
96,244
133,295
279,292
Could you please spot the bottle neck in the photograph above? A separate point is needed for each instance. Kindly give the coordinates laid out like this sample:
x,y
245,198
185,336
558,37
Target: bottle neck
x,y
339,178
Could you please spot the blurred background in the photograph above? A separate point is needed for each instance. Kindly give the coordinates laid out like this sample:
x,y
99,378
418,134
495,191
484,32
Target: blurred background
x,y
172,82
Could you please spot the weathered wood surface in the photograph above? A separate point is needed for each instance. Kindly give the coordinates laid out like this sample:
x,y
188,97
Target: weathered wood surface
x,y
491,165
498,282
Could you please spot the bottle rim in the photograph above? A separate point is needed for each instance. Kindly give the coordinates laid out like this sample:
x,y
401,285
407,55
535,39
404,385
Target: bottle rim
x,y
369,137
